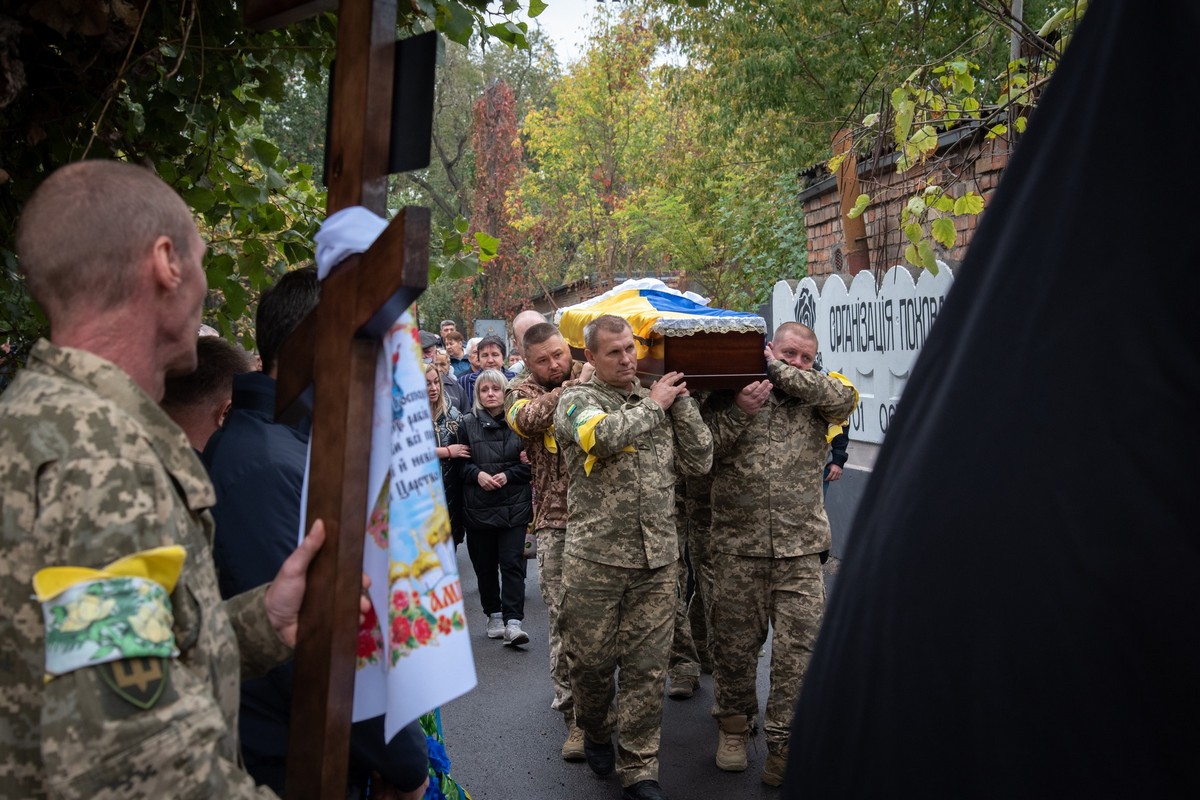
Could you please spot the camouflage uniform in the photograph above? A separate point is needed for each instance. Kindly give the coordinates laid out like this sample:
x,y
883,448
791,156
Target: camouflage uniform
x,y
697,515
529,408
683,666
768,527
93,471
619,569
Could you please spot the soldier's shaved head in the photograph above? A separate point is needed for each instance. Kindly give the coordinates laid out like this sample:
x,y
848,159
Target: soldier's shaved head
x,y
87,227
796,329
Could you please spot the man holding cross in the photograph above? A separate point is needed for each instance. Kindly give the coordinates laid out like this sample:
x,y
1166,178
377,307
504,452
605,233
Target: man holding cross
x,y
111,689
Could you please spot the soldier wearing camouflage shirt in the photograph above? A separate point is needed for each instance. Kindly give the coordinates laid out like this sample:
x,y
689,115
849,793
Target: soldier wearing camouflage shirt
x,y
529,407
623,447
109,688
769,534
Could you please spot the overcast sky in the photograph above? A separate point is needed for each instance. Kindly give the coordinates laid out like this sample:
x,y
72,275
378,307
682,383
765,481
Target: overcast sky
x,y
566,23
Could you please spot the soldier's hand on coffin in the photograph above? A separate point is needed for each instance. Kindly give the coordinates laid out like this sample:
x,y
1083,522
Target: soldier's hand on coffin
x,y
587,372
286,592
751,398
664,390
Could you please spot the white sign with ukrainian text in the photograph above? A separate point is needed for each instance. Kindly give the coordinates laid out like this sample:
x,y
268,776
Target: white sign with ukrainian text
x,y
869,334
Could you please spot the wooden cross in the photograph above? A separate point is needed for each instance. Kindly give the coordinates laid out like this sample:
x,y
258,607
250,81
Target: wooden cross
x,y
334,351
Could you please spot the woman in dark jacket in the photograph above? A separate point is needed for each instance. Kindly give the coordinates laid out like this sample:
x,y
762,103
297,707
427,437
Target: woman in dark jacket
x,y
497,507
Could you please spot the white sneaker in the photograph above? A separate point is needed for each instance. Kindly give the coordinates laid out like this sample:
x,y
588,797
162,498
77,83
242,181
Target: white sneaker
x,y
495,626
513,633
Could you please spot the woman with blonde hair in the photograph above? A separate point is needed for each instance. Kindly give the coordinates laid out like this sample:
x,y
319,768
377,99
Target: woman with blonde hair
x,y
446,424
497,508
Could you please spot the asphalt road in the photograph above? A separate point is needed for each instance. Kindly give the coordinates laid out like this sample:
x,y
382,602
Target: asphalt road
x,y
503,739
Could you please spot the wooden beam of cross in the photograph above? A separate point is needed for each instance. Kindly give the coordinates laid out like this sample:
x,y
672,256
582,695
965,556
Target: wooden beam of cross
x,y
334,352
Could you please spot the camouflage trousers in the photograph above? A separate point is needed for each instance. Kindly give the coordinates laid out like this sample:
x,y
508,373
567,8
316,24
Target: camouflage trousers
x,y
550,567
617,617
748,594
700,606
684,661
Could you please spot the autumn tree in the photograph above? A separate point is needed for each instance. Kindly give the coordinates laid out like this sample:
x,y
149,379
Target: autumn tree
x,y
590,155
504,284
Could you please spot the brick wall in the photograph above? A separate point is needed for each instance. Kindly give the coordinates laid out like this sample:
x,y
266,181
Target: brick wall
x,y
963,166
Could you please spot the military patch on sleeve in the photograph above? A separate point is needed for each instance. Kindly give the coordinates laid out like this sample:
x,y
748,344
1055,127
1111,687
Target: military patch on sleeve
x,y
120,613
138,681
571,410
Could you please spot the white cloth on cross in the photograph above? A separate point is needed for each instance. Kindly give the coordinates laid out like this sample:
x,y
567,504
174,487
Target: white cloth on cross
x,y
346,232
414,651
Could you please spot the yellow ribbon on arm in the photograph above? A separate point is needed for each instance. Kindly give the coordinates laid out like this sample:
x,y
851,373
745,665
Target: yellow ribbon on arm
x,y
159,564
586,432
512,416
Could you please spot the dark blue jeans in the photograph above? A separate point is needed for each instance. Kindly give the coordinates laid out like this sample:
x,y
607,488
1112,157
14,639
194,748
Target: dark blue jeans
x,y
498,556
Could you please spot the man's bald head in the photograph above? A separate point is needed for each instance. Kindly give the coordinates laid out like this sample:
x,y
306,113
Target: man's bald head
x,y
88,226
523,322
797,329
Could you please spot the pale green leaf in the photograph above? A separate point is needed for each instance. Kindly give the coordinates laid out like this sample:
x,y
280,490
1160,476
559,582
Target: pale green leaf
x,y
837,160
916,206
1021,124
904,118
871,120
925,139
926,257
944,232
911,256
914,232
969,203
860,205
536,7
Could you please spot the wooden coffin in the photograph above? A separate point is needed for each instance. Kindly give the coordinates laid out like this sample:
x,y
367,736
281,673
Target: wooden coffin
x,y
709,360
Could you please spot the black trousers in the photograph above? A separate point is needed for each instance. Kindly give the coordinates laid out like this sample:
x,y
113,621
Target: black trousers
x,y
498,556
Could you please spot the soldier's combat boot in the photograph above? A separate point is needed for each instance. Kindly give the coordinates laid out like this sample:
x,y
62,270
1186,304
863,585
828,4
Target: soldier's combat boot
x,y
643,790
601,756
772,774
572,749
731,743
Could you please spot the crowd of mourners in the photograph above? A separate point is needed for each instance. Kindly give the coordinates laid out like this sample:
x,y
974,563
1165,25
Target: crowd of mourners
x,y
150,489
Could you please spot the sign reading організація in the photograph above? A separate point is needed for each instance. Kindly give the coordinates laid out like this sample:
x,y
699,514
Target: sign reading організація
x,y
869,334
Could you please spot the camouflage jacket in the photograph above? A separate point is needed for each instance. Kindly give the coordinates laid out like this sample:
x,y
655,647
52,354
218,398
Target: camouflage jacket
x,y
766,491
623,453
93,471
529,408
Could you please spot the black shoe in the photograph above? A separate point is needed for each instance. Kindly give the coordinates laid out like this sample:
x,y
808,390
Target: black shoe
x,y
643,790
601,757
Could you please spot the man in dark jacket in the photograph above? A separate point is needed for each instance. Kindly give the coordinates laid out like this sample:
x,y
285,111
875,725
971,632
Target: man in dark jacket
x,y
257,468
